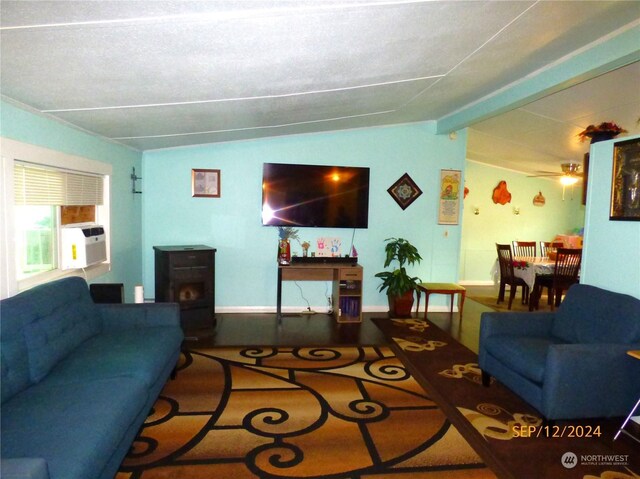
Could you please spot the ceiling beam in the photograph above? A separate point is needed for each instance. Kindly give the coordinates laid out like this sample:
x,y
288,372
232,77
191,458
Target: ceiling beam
x,y
614,51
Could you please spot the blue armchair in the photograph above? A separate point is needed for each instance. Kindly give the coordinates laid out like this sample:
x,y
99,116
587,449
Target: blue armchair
x,y
570,363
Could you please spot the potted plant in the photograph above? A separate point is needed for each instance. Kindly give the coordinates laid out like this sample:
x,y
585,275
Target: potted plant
x,y
399,285
604,131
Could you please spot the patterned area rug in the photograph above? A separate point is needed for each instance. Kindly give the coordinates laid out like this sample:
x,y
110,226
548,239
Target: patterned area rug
x,y
336,412
509,434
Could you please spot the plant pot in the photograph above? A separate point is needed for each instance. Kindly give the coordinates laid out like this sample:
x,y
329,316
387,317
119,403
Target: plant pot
x,y
602,136
400,306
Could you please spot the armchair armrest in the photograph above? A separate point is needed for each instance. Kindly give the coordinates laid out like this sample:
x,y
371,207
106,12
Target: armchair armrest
x,y
516,324
24,468
145,315
581,378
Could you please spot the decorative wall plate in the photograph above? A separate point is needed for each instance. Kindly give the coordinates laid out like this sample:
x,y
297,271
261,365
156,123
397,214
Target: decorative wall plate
x,y
539,199
404,191
501,194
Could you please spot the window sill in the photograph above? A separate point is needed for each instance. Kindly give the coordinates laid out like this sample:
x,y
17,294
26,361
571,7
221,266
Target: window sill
x,y
88,273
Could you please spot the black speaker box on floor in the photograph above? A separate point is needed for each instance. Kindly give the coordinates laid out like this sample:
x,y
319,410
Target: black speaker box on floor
x,y
107,292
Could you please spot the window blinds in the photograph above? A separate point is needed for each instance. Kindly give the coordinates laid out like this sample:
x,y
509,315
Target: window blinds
x,y
47,186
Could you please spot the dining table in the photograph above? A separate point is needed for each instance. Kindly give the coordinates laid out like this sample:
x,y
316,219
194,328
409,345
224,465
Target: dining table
x,y
527,267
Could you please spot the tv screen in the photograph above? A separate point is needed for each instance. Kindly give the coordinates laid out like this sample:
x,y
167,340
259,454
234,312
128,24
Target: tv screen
x,y
315,195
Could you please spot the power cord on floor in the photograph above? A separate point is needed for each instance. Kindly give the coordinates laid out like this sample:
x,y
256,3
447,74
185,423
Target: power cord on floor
x,y
308,310
329,299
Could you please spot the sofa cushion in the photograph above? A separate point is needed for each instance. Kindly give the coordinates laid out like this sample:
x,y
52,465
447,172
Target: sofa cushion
x,y
57,317
14,366
14,358
590,314
75,429
525,355
139,353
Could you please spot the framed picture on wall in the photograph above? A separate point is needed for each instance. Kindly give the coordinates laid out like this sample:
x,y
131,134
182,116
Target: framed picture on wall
x,y
449,205
205,183
404,191
625,182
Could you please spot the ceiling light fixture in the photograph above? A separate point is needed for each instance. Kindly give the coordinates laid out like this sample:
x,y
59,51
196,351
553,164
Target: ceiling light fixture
x,y
568,180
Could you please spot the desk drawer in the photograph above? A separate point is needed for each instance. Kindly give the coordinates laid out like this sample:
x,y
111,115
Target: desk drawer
x,y
291,273
353,274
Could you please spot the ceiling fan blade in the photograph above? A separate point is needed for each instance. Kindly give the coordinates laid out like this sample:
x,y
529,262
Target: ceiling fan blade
x,y
545,174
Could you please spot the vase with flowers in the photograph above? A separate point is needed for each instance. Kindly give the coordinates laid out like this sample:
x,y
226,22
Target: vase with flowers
x,y
285,235
604,131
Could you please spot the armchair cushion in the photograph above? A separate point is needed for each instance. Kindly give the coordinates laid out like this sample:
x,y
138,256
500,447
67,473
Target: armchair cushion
x,y
585,316
526,355
590,380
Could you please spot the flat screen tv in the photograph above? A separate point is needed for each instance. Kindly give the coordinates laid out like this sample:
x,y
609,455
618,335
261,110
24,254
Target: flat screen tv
x,y
315,195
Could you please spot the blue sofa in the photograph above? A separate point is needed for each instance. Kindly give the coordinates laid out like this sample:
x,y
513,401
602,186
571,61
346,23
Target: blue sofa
x,y
78,378
571,363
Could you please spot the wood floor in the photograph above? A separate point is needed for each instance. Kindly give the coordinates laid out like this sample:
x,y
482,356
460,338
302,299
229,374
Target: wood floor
x,y
322,330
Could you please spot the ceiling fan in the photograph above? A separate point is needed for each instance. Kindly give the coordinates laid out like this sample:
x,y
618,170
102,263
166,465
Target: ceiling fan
x,y
570,174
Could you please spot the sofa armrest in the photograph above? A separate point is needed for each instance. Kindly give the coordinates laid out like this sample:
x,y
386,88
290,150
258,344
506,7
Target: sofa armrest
x,y
24,468
139,315
578,376
516,324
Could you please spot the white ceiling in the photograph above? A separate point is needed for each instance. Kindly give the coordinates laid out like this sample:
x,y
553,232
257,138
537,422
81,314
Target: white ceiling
x,y
158,74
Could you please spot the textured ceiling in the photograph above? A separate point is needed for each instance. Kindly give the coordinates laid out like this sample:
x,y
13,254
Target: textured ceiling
x,y
158,74
544,134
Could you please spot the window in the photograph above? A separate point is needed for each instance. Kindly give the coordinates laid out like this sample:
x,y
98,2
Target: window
x,y
42,194
36,240
45,190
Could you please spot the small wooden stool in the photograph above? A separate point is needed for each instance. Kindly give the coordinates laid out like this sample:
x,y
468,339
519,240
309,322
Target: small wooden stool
x,y
440,288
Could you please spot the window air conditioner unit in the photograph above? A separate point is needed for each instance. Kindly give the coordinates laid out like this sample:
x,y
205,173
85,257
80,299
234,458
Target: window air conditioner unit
x,y
83,246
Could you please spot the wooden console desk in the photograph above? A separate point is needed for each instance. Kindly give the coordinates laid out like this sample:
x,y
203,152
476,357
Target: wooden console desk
x,y
347,287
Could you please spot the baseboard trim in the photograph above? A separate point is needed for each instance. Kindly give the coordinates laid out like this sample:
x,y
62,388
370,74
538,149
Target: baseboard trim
x,y
317,309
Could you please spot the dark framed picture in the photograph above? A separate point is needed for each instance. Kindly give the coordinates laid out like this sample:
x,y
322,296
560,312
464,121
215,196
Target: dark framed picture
x,y
205,183
404,191
625,183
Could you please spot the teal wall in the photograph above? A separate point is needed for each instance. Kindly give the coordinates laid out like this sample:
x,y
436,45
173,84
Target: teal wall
x,y
126,208
496,223
612,248
246,251
167,214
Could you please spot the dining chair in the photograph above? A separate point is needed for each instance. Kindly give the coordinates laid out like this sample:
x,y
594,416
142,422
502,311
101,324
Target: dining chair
x,y
524,248
508,277
544,253
566,272
545,245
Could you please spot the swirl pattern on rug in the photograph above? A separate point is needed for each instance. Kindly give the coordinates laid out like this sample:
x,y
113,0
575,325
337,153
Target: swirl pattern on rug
x,y
336,412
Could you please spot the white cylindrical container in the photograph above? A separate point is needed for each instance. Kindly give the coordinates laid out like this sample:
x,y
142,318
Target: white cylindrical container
x,y
139,294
